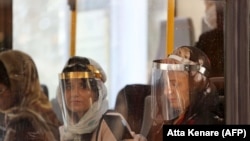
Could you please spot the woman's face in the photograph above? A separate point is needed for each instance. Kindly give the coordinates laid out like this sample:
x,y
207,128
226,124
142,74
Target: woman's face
x,y
177,89
78,96
210,17
6,99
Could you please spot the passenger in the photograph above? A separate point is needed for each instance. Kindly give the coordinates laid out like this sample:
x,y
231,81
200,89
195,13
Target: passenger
x,y
85,107
212,41
181,91
20,89
45,90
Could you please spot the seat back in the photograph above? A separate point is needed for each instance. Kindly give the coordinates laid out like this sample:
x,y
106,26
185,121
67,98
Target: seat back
x,y
184,35
220,86
147,119
130,103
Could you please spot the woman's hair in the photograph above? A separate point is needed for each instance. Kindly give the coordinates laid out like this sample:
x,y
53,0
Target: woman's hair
x,y
26,125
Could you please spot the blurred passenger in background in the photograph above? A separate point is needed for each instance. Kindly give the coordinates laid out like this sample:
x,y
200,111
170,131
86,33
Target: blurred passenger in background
x,y
20,90
212,41
181,91
45,90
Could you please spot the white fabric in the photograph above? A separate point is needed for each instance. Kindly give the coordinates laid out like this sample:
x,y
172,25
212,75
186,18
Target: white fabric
x,y
202,69
182,60
87,124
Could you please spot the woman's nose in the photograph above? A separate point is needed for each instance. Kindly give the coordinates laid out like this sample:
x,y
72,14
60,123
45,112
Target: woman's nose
x,y
75,91
169,89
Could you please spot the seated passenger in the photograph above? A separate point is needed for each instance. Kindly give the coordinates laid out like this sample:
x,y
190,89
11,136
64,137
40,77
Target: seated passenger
x,y
181,91
45,90
84,105
20,88
212,42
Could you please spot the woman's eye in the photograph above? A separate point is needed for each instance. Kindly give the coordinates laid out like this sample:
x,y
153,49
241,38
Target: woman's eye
x,y
83,86
174,84
68,87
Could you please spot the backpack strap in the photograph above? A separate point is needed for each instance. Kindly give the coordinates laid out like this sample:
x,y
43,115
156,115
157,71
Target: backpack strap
x,y
2,126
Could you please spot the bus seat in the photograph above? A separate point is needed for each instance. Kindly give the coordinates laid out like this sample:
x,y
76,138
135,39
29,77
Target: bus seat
x,y
147,119
130,103
184,35
219,84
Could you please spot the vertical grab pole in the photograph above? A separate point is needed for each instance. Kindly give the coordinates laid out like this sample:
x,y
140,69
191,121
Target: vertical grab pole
x,y
170,27
73,8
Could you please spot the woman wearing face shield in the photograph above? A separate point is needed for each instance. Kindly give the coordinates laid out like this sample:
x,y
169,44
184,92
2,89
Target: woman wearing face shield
x,y
182,92
84,106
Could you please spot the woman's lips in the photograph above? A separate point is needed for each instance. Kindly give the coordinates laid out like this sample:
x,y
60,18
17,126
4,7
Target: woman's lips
x,y
172,99
76,101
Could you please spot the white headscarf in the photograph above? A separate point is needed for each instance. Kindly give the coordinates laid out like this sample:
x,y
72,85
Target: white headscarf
x,y
89,121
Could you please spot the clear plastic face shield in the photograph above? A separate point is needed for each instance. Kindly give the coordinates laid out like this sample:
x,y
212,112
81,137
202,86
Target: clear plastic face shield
x,y
171,86
80,92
